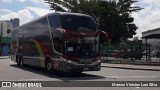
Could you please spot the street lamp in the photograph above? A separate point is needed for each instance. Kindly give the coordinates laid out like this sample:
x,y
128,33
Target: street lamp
x,y
0,45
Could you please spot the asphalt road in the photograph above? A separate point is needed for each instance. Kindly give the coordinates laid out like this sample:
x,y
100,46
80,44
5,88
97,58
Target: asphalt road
x,y
10,72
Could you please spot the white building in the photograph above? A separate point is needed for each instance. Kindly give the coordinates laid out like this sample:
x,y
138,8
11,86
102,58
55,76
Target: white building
x,y
8,25
4,26
152,37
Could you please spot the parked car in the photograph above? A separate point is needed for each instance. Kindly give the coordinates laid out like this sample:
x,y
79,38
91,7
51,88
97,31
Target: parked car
x,y
118,54
153,53
158,54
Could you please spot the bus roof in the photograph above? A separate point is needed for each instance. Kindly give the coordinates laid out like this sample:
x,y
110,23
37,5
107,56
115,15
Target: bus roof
x,y
60,13
68,13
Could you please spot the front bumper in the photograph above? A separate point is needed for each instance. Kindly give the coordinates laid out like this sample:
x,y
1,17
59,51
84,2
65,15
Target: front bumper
x,y
67,66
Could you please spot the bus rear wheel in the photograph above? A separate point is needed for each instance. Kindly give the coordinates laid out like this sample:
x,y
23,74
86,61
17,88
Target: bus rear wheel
x,y
21,61
48,66
17,60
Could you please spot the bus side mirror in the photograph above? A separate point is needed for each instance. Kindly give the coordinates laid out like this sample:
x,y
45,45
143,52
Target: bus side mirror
x,y
103,36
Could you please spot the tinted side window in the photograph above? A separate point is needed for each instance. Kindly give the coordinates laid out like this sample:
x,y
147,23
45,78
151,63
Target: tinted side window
x,y
36,28
54,21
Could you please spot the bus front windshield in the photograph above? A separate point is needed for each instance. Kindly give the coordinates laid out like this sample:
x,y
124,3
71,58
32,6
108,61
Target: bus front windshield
x,y
78,23
79,49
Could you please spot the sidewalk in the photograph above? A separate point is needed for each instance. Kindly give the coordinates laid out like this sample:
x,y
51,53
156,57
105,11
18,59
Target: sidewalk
x,y
4,57
121,63
133,67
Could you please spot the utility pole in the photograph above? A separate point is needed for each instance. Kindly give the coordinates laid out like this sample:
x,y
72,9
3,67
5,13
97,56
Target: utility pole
x,y
0,38
0,45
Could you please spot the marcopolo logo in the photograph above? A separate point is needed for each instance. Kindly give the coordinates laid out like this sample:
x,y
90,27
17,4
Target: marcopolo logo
x,y
6,84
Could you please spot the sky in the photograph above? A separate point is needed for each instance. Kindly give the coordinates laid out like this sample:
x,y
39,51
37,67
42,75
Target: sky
x,y
27,10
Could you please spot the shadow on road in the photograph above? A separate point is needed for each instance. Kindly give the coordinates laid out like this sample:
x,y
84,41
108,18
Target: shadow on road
x,y
58,75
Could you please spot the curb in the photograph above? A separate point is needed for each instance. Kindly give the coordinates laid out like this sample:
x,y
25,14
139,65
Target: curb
x,y
131,68
136,63
4,57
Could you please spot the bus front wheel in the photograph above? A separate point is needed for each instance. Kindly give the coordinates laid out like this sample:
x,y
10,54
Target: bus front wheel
x,y
48,66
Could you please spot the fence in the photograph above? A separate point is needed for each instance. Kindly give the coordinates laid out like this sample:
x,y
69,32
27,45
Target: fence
x,y
130,53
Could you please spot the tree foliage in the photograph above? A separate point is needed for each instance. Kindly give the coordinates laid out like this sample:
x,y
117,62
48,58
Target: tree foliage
x,y
112,16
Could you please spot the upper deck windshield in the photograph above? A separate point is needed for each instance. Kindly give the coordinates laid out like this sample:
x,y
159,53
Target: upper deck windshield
x,y
78,23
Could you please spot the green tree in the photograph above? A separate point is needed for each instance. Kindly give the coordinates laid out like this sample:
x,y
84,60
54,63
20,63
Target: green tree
x,y
112,16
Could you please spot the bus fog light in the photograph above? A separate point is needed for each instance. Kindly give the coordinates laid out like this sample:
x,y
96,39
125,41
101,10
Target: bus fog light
x,y
69,61
99,61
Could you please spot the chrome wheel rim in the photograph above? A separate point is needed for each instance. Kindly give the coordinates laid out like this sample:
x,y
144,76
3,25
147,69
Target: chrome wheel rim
x,y
49,66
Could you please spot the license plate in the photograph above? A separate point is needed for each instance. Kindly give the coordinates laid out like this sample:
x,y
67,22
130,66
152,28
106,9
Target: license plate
x,y
85,61
86,69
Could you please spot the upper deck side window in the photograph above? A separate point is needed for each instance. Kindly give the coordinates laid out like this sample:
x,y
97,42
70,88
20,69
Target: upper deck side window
x,y
35,28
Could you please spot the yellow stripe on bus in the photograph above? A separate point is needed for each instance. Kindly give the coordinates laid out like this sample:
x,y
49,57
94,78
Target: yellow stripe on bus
x,y
41,56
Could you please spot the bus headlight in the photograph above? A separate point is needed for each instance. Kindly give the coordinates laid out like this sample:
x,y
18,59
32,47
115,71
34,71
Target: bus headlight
x,y
69,61
99,61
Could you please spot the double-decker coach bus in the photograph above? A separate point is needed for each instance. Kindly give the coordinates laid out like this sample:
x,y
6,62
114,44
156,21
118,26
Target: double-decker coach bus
x,y
67,42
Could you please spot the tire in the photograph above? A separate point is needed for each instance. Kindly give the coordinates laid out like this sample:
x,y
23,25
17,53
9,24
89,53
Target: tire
x,y
17,60
21,61
48,66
